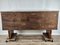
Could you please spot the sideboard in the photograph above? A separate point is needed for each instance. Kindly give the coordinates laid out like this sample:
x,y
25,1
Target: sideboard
x,y
30,20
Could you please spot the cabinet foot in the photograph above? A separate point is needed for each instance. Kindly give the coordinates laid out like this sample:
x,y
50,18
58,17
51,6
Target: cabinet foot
x,y
47,36
13,38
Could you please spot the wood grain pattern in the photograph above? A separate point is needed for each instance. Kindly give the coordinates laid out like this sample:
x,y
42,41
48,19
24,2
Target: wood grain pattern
x,y
29,20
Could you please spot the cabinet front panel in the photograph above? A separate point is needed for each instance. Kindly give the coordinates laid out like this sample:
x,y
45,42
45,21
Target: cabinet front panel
x,y
50,20
20,20
43,20
30,20
8,25
8,19
8,16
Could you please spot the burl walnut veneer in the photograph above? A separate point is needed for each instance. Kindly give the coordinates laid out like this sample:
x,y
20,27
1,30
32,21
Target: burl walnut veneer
x,y
33,20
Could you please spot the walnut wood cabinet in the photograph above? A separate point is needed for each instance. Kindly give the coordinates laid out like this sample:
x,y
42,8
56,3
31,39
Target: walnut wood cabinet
x,y
30,20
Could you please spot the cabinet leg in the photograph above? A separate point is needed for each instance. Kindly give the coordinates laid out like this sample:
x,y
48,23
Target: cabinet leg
x,y
47,36
48,32
10,33
11,36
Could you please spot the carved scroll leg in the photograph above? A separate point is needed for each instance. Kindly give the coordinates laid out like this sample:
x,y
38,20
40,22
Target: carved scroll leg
x,y
47,36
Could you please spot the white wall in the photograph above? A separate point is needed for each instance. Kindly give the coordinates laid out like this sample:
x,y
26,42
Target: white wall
x,y
29,5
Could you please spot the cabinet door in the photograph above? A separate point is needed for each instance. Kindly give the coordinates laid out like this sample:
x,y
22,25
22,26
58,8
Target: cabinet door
x,y
20,20
7,20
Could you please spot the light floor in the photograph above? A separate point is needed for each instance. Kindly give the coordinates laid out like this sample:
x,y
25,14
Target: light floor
x,y
29,40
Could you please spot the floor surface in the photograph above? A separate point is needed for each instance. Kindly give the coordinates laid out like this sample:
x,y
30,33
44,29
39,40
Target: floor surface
x,y
29,40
